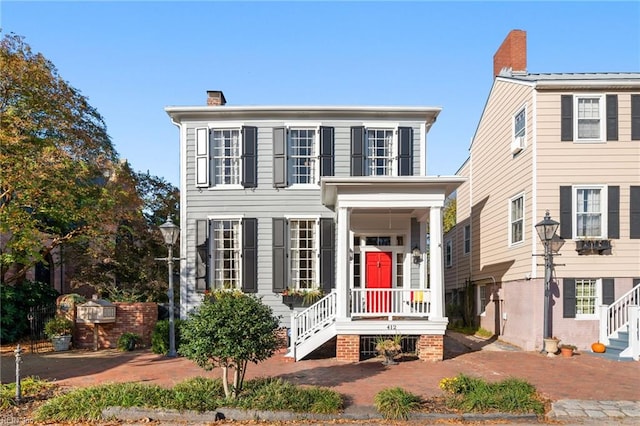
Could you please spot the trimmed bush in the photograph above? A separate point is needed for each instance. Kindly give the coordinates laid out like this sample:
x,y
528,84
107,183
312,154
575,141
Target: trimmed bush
x,y
160,336
396,403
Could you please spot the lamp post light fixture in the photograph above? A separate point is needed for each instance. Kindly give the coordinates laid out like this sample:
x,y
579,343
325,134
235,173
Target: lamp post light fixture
x,y
170,232
417,254
546,229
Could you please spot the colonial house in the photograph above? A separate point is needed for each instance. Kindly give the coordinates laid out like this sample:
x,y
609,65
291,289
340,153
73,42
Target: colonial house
x,y
567,144
326,201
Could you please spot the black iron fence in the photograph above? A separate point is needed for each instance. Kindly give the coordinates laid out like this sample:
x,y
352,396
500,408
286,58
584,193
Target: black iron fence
x,y
38,316
368,346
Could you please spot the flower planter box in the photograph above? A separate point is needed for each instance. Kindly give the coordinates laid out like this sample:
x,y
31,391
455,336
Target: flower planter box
x,y
293,300
61,343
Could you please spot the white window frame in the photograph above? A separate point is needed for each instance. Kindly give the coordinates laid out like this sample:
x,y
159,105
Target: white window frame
x,y
237,176
392,158
466,234
512,222
448,253
295,282
217,282
601,117
604,208
597,298
483,300
315,156
522,132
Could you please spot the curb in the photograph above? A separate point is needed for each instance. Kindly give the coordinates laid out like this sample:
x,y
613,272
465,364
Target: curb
x,y
355,413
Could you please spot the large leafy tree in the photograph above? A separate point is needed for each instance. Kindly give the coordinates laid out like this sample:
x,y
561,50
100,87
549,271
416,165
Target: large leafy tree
x,y
449,216
54,153
229,330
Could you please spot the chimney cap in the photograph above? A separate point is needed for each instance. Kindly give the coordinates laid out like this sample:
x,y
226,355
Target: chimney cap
x,y
215,97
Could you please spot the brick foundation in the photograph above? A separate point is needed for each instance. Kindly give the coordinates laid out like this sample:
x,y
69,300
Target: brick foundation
x,y
348,348
430,347
139,318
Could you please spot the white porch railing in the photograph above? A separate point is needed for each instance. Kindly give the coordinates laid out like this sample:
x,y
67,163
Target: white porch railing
x,y
390,302
304,324
634,332
616,316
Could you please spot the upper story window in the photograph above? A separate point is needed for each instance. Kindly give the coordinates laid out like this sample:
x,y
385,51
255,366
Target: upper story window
x,y
380,156
519,124
302,161
301,155
516,219
380,151
589,117
226,157
467,239
448,253
590,212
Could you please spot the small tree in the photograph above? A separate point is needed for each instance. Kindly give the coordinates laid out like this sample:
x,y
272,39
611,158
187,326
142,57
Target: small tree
x,y
228,330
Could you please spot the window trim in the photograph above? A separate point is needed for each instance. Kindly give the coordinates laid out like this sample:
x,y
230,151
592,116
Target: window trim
x,y
604,211
466,248
315,179
522,110
316,249
601,114
482,308
392,159
213,250
448,246
213,159
511,223
598,299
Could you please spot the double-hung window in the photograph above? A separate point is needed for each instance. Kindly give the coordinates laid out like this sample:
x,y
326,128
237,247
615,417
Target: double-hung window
x,y
380,152
589,122
516,219
467,239
448,253
303,253
590,211
302,158
226,156
586,297
226,254
519,124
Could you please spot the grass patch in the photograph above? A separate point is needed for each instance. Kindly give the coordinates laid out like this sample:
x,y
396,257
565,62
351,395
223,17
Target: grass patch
x,y
396,403
30,387
200,394
472,394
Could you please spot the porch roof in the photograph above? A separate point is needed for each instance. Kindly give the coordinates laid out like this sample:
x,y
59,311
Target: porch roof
x,y
387,187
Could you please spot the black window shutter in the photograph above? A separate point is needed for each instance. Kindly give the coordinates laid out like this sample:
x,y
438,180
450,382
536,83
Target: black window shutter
x,y
635,117
357,151
279,254
405,151
327,254
415,233
279,157
608,291
568,298
202,255
612,117
613,211
250,255
327,138
249,157
634,211
566,227
566,118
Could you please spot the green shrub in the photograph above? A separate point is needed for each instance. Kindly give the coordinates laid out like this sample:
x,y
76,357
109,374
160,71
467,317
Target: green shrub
x,y
15,301
128,341
160,336
396,403
476,395
58,326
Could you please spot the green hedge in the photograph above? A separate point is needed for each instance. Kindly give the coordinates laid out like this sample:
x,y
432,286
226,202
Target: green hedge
x,y
15,301
160,336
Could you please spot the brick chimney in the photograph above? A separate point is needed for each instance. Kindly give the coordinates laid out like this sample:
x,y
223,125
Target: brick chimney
x,y
215,98
512,53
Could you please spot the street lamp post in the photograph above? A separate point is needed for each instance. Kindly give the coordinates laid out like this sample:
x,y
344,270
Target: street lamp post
x,y
546,229
170,232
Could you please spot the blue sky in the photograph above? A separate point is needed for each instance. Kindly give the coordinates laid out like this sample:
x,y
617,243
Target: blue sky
x,y
132,59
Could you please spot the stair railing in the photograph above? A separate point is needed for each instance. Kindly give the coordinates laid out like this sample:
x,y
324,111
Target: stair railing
x,y
317,316
616,316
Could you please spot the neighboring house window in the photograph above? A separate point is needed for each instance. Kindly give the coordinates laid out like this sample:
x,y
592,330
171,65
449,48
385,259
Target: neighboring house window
x,y
225,145
586,297
379,151
482,300
590,212
516,219
467,239
226,156
581,297
589,117
448,253
303,157
226,254
519,123
303,253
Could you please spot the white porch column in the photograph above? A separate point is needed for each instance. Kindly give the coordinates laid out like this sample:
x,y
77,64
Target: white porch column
x,y
436,262
342,263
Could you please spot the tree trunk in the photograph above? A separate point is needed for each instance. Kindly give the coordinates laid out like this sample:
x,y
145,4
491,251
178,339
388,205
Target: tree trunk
x,y
225,381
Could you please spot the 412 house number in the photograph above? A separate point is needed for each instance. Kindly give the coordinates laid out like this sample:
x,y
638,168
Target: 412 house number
x,y
392,327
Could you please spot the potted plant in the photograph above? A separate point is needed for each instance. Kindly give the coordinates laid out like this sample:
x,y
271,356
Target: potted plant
x,y
551,345
389,348
59,329
301,297
567,350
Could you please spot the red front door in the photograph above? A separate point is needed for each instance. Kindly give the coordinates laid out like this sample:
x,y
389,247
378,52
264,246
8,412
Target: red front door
x,y
378,275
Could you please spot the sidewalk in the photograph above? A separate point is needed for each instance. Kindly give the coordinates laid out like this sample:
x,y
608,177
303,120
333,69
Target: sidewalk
x,y
583,386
